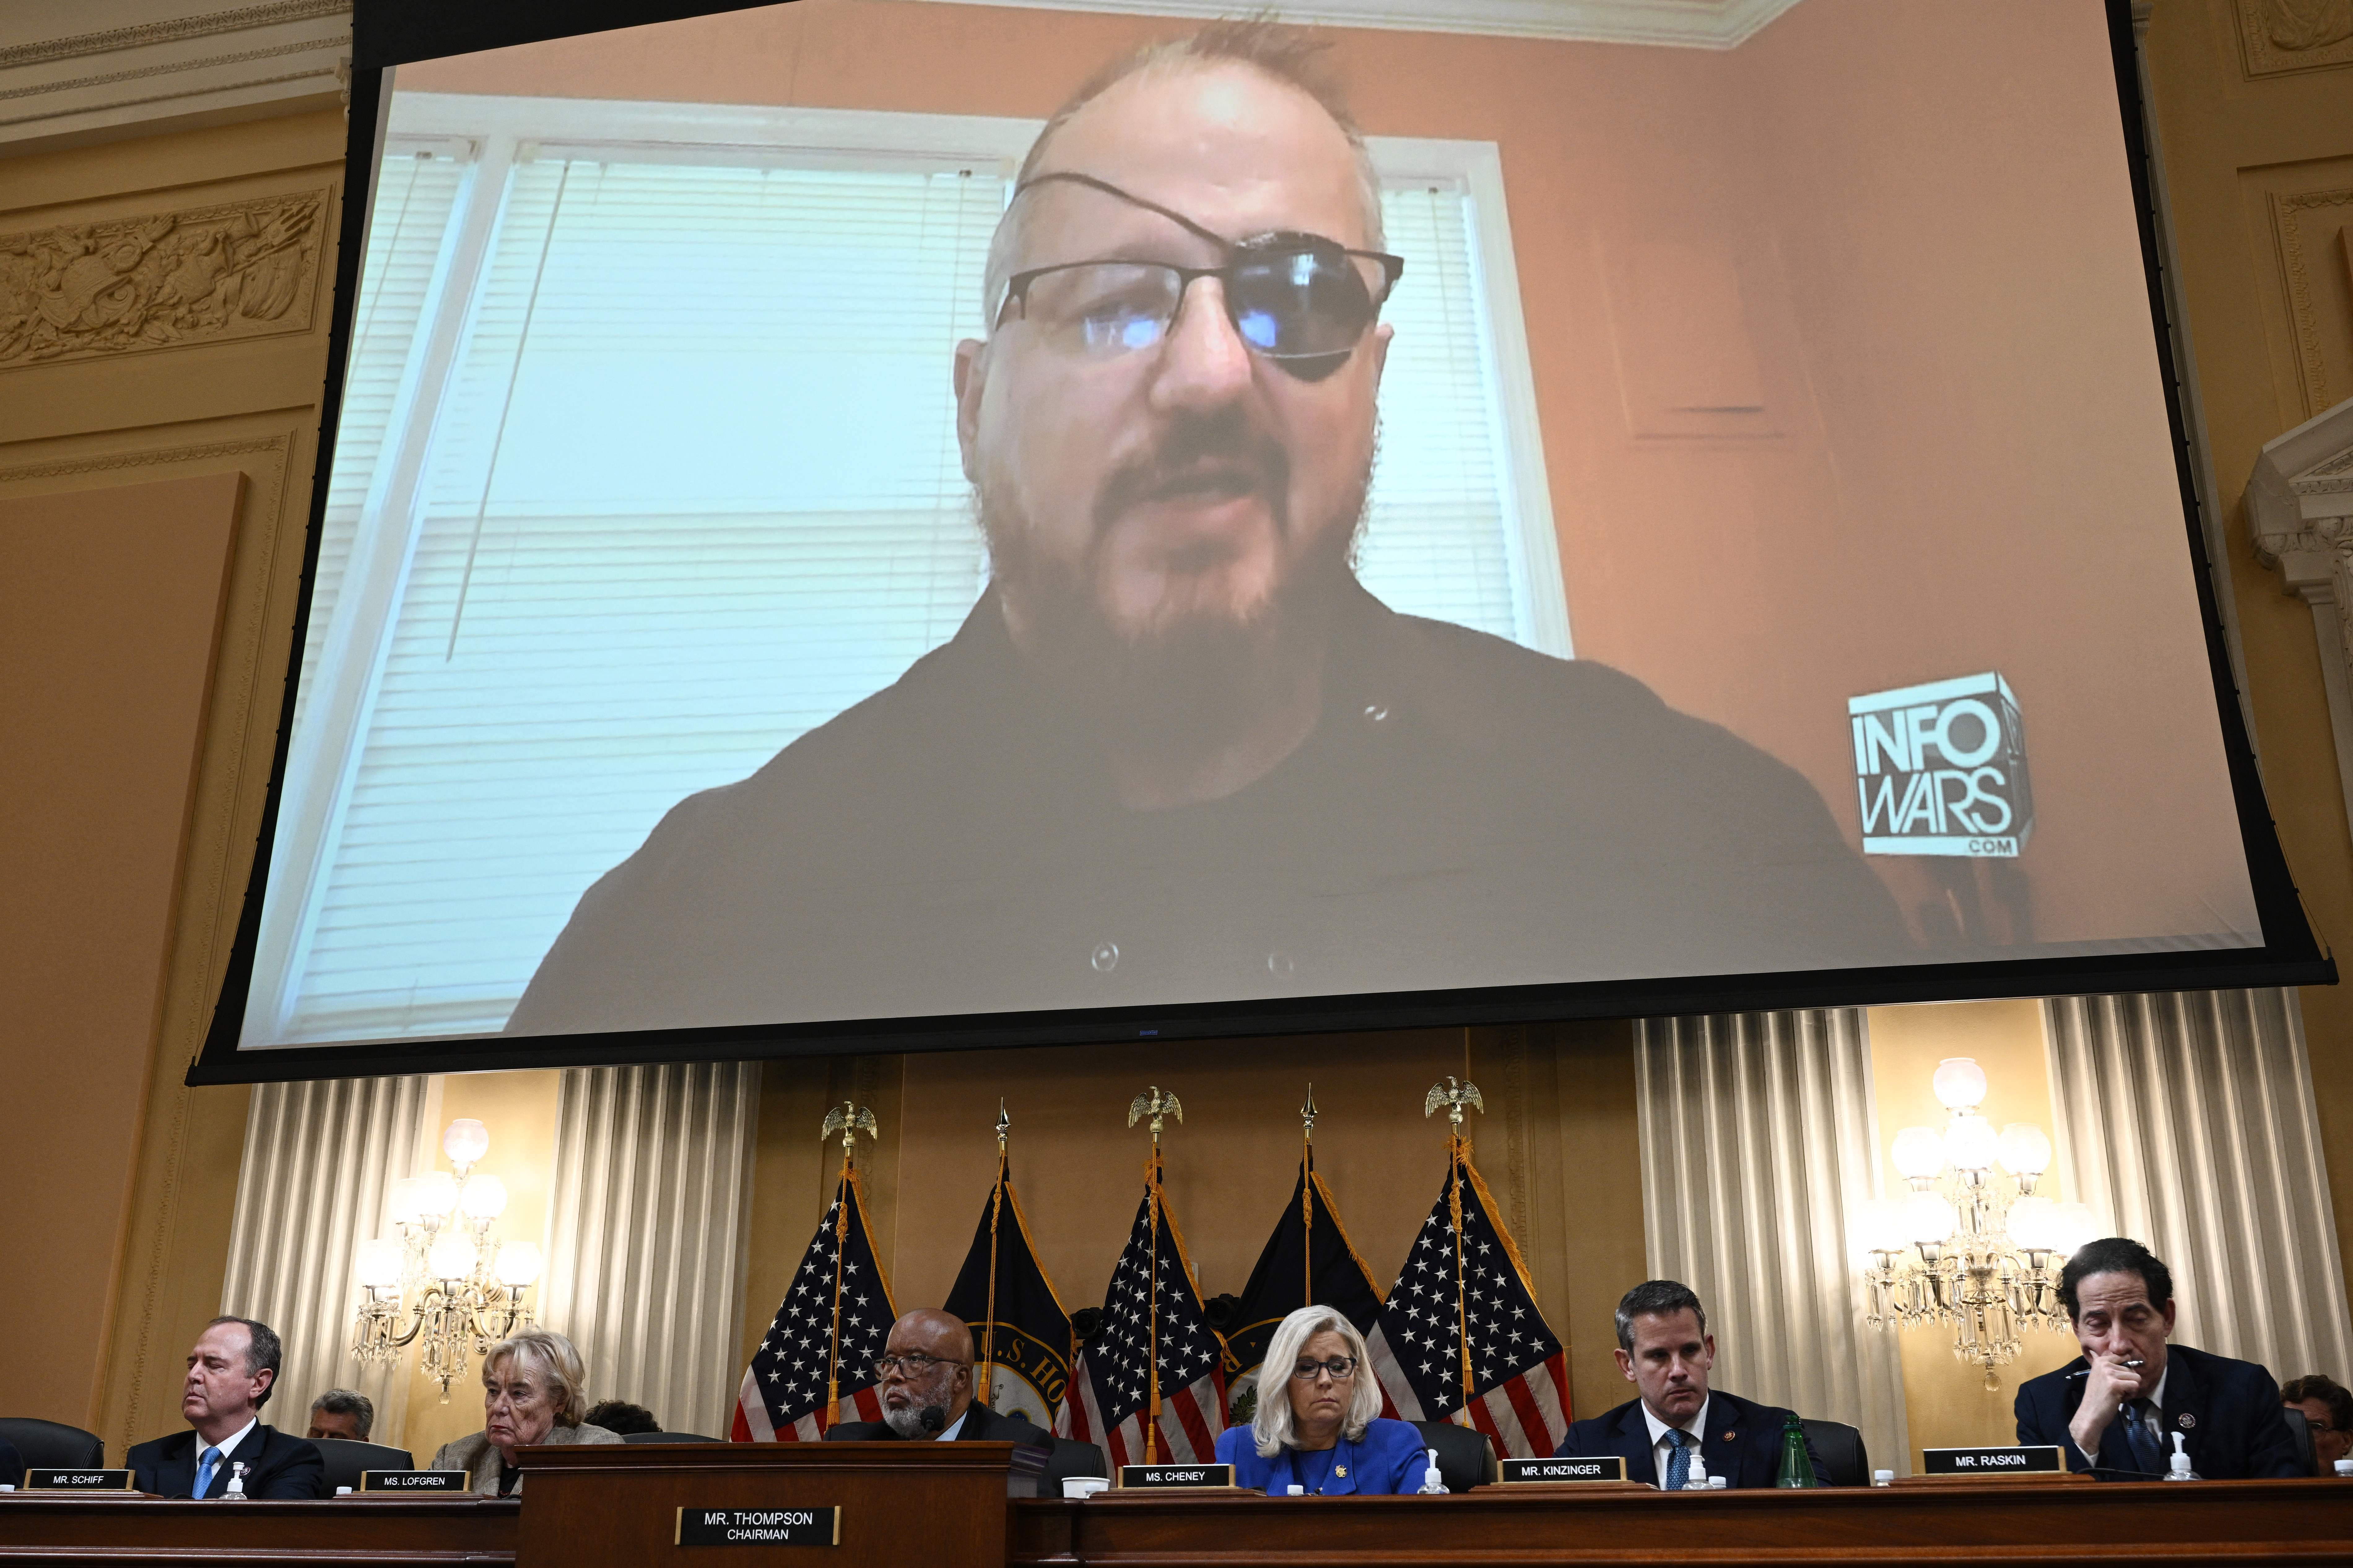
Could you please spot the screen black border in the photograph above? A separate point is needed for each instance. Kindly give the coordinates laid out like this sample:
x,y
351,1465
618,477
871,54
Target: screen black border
x,y
387,32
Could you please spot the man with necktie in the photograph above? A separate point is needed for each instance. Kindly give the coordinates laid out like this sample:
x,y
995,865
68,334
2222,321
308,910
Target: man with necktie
x,y
2116,1409
230,1372
1665,1351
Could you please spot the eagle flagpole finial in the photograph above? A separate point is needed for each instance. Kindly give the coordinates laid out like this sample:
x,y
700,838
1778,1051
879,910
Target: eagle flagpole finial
x,y
1453,1094
1158,1104
848,1119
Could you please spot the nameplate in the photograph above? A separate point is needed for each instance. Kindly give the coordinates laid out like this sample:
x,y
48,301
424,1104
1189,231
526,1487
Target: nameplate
x,y
2038,1459
759,1527
413,1480
1565,1468
1174,1477
39,1479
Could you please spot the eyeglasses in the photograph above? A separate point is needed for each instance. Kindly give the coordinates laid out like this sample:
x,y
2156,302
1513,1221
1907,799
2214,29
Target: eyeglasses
x,y
1341,1367
915,1365
1300,299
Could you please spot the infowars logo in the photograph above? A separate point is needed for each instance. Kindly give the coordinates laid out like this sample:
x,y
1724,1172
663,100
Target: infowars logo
x,y
1941,769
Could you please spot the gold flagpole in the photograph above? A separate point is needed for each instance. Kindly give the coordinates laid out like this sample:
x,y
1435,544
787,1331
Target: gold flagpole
x,y
848,1119
995,1204
1307,1191
1455,1095
1158,1105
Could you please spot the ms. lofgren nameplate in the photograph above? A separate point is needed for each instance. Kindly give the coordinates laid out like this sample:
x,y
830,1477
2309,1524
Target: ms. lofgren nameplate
x,y
759,1527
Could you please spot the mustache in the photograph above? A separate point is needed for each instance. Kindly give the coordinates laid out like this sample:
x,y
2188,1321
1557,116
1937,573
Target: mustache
x,y
1221,453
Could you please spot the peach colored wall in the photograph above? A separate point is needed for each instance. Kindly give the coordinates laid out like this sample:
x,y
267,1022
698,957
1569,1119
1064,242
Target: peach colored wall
x,y
1949,333
109,608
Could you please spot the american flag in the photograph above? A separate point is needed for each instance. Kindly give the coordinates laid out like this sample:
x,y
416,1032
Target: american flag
x,y
783,1395
1519,1380
1111,1383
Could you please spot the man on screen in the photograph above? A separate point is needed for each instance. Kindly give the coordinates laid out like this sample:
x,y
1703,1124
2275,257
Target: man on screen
x,y
1176,751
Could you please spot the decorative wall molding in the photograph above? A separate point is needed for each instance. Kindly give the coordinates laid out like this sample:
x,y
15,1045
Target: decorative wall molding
x,y
2307,223
2189,1119
179,68
2300,518
1692,23
1758,1141
213,274
2278,36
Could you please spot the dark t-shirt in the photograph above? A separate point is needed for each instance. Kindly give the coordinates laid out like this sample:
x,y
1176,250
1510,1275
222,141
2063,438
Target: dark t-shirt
x,y
1465,812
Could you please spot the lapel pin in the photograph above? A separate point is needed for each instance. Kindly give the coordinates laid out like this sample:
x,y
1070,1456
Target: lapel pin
x,y
1341,1470
1728,1437
2188,1420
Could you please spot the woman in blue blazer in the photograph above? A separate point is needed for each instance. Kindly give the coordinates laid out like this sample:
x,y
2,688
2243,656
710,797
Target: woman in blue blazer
x,y
1319,1426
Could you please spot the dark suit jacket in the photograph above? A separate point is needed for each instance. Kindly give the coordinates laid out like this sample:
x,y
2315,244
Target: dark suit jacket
x,y
1742,1443
982,1424
12,1465
2227,1411
279,1466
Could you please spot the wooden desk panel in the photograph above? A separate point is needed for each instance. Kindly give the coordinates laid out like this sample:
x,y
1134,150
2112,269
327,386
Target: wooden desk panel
x,y
51,1530
2042,1524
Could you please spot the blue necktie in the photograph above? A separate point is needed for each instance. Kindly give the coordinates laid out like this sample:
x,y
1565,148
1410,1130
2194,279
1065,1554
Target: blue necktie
x,y
2146,1450
1678,1458
204,1472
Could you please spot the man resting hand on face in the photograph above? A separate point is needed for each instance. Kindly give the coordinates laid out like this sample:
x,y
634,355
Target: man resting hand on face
x,y
1176,751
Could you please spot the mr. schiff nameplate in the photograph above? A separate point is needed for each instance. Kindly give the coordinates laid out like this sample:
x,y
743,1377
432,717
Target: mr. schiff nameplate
x,y
413,1480
1174,1477
759,1527
43,1478
2042,1458
1563,1467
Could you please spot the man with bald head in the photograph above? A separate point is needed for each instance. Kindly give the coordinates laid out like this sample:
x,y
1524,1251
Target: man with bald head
x,y
1176,751
924,1382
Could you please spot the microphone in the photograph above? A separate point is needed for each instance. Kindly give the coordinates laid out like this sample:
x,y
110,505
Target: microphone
x,y
931,1419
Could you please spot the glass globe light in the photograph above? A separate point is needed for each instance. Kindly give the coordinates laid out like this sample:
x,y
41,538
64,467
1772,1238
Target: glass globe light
x,y
2025,1151
518,1264
2072,1226
1970,1142
435,1194
1959,1083
379,1264
1918,1154
452,1257
1878,1226
2031,1222
400,1203
1928,1219
483,1197
466,1142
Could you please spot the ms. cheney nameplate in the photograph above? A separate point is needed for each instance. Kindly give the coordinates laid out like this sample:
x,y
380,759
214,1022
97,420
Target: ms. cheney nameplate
x,y
413,1480
2038,1459
1177,1477
42,1478
1565,1467
759,1527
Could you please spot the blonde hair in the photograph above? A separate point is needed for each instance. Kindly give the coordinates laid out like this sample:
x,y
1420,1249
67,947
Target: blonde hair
x,y
1274,1427
555,1359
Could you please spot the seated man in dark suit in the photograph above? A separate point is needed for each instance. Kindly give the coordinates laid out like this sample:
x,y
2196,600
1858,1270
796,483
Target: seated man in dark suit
x,y
925,1386
2115,1408
229,1376
1665,1351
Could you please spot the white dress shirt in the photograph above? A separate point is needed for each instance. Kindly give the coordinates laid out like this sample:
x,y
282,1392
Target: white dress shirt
x,y
227,1445
953,1427
2154,1425
1661,1450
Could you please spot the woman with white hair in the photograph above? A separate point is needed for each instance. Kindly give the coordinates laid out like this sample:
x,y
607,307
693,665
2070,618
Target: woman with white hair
x,y
534,1390
1319,1427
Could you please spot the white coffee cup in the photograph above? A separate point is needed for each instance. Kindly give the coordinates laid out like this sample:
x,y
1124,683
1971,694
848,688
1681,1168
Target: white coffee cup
x,y
1083,1486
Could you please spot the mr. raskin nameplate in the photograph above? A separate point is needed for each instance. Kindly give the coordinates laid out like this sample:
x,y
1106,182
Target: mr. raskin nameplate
x,y
40,1478
1565,1467
759,1527
1176,1477
2037,1459
413,1480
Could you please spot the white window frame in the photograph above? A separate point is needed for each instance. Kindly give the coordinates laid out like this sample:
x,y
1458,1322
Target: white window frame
x,y
324,760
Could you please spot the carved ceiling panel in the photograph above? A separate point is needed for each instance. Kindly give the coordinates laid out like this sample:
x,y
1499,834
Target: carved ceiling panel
x,y
2278,36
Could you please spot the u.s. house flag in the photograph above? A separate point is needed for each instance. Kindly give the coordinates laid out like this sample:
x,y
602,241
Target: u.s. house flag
x,y
834,1321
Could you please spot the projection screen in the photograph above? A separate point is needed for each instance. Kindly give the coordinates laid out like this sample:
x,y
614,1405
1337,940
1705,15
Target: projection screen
x,y
1356,523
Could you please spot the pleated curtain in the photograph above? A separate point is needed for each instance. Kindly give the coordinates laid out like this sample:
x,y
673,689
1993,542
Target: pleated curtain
x,y
2187,1121
1758,1139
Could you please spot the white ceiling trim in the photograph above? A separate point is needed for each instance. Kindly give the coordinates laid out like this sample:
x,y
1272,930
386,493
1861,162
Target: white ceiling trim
x,y
1689,24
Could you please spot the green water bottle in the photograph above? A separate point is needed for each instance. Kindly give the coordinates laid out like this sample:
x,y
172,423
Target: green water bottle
x,y
1797,1468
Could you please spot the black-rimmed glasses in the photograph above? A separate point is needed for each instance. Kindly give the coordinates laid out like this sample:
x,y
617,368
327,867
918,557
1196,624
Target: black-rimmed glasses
x,y
1300,299
912,1365
1341,1367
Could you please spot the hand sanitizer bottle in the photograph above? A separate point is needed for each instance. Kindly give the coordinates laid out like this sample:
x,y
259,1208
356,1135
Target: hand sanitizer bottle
x,y
1697,1481
1432,1483
236,1492
2177,1467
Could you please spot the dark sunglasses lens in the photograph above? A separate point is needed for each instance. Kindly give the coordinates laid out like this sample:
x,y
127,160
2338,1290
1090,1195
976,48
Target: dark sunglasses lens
x,y
1300,304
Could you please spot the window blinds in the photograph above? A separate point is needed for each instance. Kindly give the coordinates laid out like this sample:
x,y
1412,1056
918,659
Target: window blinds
x,y
694,489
